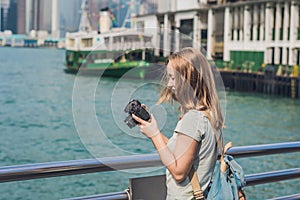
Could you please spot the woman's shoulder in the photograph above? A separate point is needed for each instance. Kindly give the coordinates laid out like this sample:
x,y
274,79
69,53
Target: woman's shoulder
x,y
194,114
193,124
195,117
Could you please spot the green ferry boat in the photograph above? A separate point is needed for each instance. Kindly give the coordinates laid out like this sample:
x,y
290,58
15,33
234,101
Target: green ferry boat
x,y
117,53
114,52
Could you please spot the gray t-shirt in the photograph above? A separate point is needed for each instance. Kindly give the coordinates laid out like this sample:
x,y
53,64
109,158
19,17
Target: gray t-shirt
x,y
197,126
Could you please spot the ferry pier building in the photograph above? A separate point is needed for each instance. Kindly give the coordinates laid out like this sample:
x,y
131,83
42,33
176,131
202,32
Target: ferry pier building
x,y
236,34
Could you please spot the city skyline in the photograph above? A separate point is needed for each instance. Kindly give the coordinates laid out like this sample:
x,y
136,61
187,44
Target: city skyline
x,y
22,16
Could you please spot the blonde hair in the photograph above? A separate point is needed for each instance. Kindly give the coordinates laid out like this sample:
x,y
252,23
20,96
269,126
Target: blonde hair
x,y
195,86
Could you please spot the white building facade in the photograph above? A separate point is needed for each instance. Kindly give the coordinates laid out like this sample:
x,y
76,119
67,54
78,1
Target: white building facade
x,y
261,32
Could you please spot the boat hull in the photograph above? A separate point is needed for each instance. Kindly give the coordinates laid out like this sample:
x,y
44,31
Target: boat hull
x,y
151,71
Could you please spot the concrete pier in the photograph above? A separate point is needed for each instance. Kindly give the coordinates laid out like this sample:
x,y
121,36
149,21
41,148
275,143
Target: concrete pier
x,y
265,83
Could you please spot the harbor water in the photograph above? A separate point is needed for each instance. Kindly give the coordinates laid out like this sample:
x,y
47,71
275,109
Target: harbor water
x,y
47,115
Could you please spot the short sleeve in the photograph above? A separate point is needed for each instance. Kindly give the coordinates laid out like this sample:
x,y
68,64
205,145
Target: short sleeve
x,y
192,124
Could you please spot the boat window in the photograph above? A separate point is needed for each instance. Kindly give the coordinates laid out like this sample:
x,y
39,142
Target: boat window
x,y
117,56
134,55
87,42
71,42
70,58
106,41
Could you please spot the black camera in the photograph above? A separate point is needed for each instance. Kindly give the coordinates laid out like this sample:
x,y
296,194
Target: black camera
x,y
136,108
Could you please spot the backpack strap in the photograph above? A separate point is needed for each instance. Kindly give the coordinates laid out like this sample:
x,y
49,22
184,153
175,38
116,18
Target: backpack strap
x,y
197,191
223,166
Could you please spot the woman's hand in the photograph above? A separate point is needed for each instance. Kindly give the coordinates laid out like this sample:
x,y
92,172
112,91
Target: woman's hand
x,y
148,128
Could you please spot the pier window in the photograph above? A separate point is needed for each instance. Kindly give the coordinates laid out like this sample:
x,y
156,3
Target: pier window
x,y
161,36
280,55
240,23
298,28
259,21
274,23
187,32
281,24
287,55
272,55
298,57
252,21
289,21
233,21
219,34
204,39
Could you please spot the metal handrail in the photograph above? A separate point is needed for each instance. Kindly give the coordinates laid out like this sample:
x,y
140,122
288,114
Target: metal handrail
x,y
113,196
289,197
63,168
253,179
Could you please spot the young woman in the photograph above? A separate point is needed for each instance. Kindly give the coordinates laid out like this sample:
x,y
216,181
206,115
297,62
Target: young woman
x,y
190,82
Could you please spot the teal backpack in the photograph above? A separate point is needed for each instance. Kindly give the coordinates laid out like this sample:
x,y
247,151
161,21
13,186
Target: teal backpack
x,y
227,181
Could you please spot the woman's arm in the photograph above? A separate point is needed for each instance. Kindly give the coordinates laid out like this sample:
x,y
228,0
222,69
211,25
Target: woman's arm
x,y
178,162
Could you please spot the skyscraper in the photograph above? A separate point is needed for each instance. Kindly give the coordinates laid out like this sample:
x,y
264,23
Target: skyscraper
x,y
21,17
4,14
11,23
69,15
44,15
55,19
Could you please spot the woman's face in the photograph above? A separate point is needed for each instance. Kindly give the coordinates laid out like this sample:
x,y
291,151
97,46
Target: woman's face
x,y
171,77
171,80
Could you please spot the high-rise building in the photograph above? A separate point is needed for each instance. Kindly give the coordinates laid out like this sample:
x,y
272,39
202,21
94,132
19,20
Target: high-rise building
x,y
4,5
55,19
44,15
69,15
11,23
21,17
35,14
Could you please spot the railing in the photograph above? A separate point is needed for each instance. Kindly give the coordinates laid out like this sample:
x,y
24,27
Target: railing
x,y
54,169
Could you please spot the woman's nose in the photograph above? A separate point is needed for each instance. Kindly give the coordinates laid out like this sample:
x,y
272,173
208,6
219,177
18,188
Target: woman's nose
x,y
170,83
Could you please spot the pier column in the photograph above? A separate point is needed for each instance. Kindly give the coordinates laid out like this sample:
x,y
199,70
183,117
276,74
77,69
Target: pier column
x,y
158,38
210,34
177,36
166,47
278,21
246,28
241,23
196,32
286,21
284,55
268,55
262,22
227,28
236,23
276,55
269,19
293,32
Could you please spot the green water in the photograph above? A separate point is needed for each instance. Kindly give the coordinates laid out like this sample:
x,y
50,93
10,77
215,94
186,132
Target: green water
x,y
47,115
